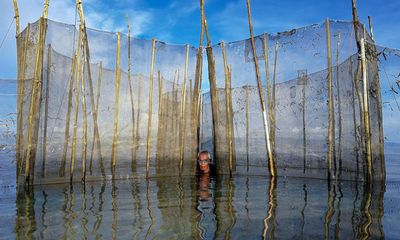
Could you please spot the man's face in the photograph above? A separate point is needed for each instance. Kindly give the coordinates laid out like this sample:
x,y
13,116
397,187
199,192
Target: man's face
x,y
204,162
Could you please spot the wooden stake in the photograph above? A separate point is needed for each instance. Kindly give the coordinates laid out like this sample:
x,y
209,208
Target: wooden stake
x,y
117,88
153,48
331,134
46,111
138,117
271,162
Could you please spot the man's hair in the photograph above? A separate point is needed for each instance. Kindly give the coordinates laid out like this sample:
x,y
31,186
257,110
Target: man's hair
x,y
204,152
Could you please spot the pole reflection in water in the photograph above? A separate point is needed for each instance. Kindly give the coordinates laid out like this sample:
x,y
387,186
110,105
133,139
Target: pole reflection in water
x,y
205,205
205,208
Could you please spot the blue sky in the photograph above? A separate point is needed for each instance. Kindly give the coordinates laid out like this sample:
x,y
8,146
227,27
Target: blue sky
x,y
177,21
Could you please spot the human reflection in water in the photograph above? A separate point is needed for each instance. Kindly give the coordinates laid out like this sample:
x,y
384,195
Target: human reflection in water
x,y
206,177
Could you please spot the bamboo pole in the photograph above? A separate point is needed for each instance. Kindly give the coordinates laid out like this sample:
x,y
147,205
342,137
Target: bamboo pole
x,y
331,117
153,48
176,119
46,110
354,115
356,24
338,92
273,100
377,86
68,117
46,9
172,115
247,126
96,113
271,162
16,16
160,120
92,102
78,76
213,88
84,112
117,91
214,99
370,28
20,86
138,116
269,97
304,123
183,112
230,119
133,160
34,109
191,123
227,109
366,112
96,128
197,87
20,118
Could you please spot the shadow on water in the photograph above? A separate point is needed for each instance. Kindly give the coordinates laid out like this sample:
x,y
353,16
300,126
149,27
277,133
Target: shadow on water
x,y
202,208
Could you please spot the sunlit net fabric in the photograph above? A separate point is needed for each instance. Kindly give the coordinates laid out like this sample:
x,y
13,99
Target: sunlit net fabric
x,y
299,128
155,130
167,102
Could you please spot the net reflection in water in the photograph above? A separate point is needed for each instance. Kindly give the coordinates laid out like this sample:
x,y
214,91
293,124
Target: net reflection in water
x,y
178,208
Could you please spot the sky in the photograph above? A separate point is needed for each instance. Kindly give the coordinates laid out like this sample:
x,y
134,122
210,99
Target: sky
x,y
178,21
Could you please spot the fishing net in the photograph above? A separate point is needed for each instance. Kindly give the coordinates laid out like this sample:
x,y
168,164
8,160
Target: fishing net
x,y
117,107
295,65
105,111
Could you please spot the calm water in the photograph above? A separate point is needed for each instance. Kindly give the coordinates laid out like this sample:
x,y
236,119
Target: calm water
x,y
185,208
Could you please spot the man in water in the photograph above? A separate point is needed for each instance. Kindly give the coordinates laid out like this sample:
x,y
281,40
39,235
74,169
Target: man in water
x,y
204,165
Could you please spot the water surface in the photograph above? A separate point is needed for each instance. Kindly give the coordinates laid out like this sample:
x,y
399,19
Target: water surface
x,y
202,208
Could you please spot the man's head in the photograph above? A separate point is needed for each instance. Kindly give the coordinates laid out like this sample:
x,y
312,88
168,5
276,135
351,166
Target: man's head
x,y
203,160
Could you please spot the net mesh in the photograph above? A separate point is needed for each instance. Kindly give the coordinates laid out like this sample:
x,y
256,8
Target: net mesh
x,y
92,111
154,111
297,108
